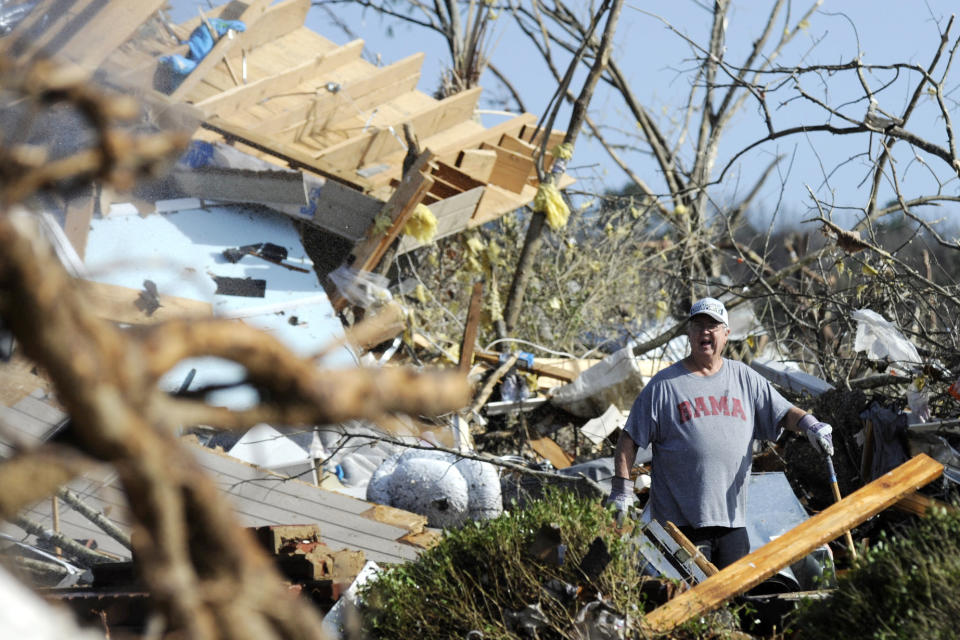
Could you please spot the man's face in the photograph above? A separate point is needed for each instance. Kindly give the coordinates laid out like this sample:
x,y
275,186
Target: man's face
x,y
707,336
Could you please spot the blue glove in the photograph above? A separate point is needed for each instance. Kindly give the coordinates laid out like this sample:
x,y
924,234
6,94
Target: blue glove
x,y
818,433
621,498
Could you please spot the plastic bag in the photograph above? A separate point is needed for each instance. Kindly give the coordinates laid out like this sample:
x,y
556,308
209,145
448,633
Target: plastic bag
x,y
361,288
883,341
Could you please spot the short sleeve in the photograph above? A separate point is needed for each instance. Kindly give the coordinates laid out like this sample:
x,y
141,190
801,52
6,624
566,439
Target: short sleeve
x,y
770,407
642,420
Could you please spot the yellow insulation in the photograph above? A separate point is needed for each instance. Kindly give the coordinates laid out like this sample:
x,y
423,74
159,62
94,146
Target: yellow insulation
x,y
422,225
549,202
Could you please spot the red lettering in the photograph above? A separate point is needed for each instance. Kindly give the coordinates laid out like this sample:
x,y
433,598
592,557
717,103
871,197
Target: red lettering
x,y
737,410
686,411
719,406
701,408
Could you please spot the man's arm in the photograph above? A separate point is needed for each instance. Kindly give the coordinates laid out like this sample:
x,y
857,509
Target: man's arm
x,y
791,420
625,455
817,432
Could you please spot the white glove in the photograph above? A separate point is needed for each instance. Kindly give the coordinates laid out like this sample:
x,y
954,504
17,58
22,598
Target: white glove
x,y
621,498
818,433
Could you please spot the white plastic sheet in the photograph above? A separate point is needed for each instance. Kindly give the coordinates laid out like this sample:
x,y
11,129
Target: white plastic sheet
x,y
883,341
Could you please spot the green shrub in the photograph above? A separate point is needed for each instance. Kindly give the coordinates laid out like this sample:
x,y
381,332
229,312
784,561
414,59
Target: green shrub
x,y
475,574
904,587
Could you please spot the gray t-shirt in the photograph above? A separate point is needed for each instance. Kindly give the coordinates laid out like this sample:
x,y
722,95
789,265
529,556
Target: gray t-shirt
x,y
701,429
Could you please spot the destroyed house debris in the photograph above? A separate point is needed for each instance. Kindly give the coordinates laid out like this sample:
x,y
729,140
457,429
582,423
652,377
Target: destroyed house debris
x,y
293,132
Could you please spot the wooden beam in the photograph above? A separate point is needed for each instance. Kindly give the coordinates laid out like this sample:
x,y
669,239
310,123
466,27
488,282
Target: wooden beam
x,y
328,103
115,23
119,304
786,549
408,195
477,163
369,148
468,344
448,150
453,216
539,369
277,21
455,176
919,504
232,100
511,170
294,158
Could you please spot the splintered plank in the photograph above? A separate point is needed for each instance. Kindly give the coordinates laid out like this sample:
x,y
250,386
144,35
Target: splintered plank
x,y
827,525
223,104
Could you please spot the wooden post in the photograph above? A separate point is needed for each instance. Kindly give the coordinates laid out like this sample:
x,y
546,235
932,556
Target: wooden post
x,y
827,525
467,346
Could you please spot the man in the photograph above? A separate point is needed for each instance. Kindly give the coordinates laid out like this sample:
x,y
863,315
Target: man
x,y
701,416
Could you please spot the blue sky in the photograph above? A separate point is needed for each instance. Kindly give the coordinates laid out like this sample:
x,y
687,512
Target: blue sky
x,y
656,60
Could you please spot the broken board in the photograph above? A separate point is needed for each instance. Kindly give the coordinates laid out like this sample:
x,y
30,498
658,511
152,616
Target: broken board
x,y
827,525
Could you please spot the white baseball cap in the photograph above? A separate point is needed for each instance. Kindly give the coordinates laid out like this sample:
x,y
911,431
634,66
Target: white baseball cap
x,y
711,307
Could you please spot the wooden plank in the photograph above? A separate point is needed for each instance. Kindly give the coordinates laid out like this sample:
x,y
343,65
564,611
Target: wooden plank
x,y
29,31
408,195
276,22
23,427
537,368
477,163
515,144
329,102
401,204
269,145
448,150
76,224
701,560
786,549
511,170
527,135
469,342
67,17
114,24
550,450
498,201
243,96
457,177
117,304
453,215
919,504
443,189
